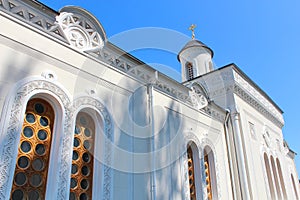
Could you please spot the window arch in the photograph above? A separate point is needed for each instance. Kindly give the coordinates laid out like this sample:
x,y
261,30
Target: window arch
x,y
191,172
30,176
281,179
294,186
268,170
194,171
275,178
189,71
83,157
210,173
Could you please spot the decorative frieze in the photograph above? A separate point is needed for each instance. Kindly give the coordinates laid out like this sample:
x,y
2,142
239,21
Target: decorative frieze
x,y
79,32
32,16
257,105
228,81
244,89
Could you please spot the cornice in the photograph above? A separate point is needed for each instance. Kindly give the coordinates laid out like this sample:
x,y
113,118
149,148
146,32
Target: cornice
x,y
109,54
253,97
248,97
228,80
37,18
46,21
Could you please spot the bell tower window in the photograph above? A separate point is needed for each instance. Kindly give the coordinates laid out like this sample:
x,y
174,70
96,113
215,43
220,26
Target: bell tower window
x,y
189,71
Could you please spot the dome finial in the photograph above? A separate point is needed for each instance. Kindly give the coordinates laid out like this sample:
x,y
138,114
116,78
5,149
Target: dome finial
x,y
192,28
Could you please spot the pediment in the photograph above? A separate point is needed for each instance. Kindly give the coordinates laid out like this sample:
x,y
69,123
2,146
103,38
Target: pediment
x,y
82,30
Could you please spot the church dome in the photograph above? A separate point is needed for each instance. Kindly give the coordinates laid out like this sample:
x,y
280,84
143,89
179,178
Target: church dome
x,y
195,43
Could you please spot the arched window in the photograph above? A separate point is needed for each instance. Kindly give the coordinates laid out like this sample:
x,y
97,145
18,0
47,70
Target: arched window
x,y
210,175
83,159
189,71
281,178
191,172
294,186
30,176
275,178
268,170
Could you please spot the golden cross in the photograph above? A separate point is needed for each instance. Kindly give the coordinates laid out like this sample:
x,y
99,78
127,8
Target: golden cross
x,y
192,28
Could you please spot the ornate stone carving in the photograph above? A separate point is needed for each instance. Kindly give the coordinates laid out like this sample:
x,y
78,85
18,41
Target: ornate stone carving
x,y
32,16
79,32
256,96
266,137
214,112
228,82
198,100
206,142
15,120
108,131
258,106
188,139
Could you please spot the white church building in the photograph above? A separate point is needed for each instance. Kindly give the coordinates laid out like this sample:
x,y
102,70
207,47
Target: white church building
x,y
83,119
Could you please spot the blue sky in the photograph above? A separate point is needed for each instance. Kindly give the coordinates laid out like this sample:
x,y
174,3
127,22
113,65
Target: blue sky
x,y
261,37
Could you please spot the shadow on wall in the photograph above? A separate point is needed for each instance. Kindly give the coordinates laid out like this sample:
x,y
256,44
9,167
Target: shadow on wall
x,y
14,68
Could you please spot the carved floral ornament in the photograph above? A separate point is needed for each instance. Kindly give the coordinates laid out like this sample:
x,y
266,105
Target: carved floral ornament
x,y
198,99
266,136
79,32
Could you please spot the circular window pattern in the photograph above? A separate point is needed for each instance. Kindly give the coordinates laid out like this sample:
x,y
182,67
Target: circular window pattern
x,y
207,181
83,121
191,190
77,130
34,195
73,183
85,170
82,157
17,195
86,157
39,108
23,162
84,184
87,132
44,121
25,146
74,169
83,196
75,155
35,180
40,149
30,174
76,142
38,164
206,173
20,179
87,144
30,118
28,132
42,134
72,196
